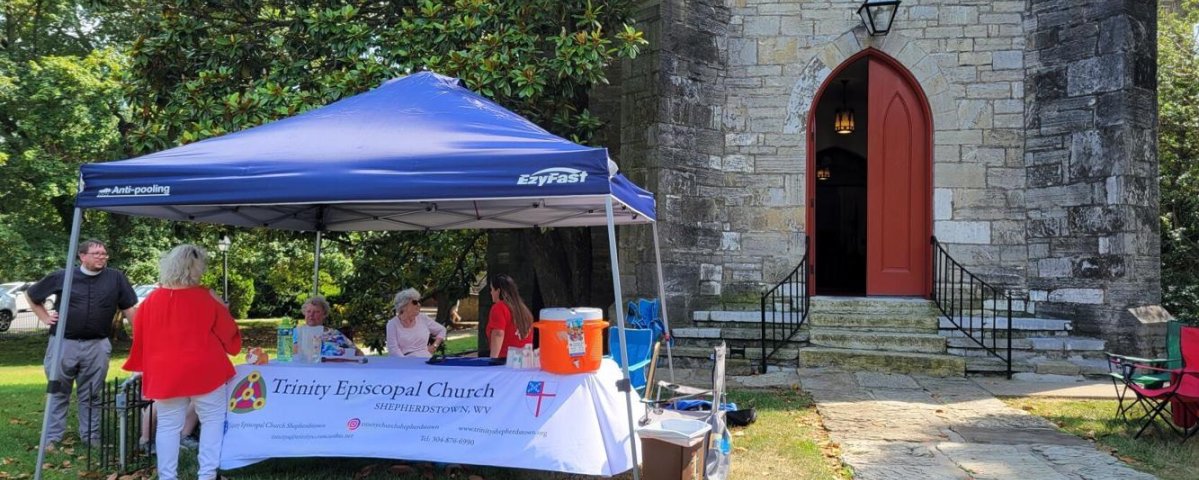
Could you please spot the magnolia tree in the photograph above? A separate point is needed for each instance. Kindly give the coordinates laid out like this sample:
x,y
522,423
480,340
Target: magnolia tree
x,y
200,69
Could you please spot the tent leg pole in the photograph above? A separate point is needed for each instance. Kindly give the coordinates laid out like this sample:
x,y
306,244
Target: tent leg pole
x,y
60,331
624,349
316,267
662,304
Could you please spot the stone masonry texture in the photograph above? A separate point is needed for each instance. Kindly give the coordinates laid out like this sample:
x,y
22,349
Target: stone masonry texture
x,y
1043,145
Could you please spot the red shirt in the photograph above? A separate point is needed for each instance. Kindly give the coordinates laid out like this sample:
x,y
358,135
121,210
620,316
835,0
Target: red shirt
x,y
500,318
181,342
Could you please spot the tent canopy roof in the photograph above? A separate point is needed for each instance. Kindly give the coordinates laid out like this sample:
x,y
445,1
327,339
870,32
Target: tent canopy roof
x,y
419,152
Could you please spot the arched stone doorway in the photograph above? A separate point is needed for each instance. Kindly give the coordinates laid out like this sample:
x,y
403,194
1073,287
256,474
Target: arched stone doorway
x,y
870,191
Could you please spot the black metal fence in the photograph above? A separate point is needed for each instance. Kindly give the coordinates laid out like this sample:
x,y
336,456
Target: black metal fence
x,y
121,408
785,309
981,311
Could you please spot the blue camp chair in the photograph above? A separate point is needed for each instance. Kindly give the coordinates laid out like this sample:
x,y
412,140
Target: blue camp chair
x,y
642,348
647,313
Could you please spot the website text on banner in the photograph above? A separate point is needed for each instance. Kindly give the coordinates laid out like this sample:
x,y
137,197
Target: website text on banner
x,y
404,409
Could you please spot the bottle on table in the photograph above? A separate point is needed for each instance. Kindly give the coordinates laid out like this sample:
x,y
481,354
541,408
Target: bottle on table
x,y
285,335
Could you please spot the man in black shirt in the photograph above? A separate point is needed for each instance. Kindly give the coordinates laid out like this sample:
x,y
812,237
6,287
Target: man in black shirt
x,y
96,295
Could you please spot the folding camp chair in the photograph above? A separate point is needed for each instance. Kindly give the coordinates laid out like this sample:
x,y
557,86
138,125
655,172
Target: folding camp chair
x,y
1180,393
1148,379
643,353
719,444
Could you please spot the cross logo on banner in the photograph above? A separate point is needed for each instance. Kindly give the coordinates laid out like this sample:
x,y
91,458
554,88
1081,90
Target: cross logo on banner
x,y
536,390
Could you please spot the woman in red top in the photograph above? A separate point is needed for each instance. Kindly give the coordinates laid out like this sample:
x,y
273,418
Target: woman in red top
x,y
509,323
182,337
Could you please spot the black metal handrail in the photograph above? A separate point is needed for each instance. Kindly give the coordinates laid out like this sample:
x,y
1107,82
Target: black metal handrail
x,y
976,308
788,303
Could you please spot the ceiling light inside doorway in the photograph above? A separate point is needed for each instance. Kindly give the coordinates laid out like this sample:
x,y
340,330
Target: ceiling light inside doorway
x,y
843,117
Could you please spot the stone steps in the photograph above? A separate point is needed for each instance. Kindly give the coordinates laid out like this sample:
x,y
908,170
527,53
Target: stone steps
x,y
700,359
1021,327
742,317
874,306
898,324
1048,347
884,341
887,362
1073,367
732,336
784,355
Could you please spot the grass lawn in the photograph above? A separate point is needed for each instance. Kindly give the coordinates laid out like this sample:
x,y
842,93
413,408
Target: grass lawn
x,y
786,442
1156,452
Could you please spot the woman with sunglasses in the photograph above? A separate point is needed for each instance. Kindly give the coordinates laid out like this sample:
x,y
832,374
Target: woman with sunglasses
x,y
409,331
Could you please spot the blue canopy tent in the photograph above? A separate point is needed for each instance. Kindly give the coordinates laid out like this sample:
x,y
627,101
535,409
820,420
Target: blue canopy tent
x,y
420,152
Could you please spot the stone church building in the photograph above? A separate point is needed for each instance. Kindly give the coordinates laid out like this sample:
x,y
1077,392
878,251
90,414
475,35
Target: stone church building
x,y
1020,133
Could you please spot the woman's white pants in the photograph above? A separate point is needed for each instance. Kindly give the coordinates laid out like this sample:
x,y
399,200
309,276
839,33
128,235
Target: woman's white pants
x,y
211,408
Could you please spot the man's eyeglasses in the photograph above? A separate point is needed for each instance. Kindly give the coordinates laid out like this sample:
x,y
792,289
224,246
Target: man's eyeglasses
x,y
98,254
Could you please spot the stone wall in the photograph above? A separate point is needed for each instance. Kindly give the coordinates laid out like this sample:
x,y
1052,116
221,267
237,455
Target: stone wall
x,y
673,144
726,140
1092,197
1043,144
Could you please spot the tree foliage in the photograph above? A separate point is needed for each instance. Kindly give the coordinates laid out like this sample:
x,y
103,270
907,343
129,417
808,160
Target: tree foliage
x,y
60,106
109,79
1178,154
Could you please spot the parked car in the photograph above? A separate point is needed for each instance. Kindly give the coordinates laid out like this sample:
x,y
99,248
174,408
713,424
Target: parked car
x,y
17,291
143,291
8,310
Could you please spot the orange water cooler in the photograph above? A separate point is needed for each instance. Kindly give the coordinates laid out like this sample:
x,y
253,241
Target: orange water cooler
x,y
572,339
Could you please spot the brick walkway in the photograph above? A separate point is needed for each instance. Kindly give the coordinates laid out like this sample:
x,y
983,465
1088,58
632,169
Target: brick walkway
x,y
900,426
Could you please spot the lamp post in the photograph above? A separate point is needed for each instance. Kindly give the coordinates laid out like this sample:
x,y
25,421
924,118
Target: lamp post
x,y
223,246
878,15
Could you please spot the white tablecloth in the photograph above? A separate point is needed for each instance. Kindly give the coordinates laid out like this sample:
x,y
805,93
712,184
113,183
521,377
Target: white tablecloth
x,y
404,409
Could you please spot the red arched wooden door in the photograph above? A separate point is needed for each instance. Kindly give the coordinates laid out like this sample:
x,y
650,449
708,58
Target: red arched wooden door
x,y
897,185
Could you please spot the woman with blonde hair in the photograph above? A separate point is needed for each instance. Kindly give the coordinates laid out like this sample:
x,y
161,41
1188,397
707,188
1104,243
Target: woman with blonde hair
x,y
182,338
409,331
509,323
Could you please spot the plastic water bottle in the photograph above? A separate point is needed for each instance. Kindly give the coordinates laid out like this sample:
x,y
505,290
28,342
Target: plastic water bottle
x,y
285,338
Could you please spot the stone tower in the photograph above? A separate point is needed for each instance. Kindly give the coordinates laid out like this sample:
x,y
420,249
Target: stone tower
x,y
1036,140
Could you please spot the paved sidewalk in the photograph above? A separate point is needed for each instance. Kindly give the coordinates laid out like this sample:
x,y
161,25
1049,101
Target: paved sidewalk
x,y
1090,389
900,427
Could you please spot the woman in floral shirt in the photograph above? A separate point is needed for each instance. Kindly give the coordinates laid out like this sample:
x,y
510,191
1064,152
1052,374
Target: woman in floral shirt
x,y
332,342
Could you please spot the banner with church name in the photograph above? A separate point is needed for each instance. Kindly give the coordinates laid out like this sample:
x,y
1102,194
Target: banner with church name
x,y
404,409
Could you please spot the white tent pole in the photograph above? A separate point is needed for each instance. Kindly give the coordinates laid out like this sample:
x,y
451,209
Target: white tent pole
x,y
662,304
60,332
316,267
624,349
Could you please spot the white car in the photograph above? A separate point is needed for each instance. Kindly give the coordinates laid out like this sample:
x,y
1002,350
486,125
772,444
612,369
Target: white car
x,y
17,291
8,310
143,291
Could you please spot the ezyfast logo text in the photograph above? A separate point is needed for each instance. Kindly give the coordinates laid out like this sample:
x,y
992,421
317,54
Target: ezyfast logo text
x,y
553,176
131,191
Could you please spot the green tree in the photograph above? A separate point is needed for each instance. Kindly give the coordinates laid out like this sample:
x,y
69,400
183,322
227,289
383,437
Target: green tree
x,y
201,69
1178,154
56,112
60,106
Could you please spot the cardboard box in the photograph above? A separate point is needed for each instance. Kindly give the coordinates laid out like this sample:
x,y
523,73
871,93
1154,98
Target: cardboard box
x,y
674,449
666,461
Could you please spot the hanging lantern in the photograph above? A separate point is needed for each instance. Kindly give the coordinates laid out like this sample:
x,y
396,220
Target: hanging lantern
x,y
878,15
823,173
843,116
